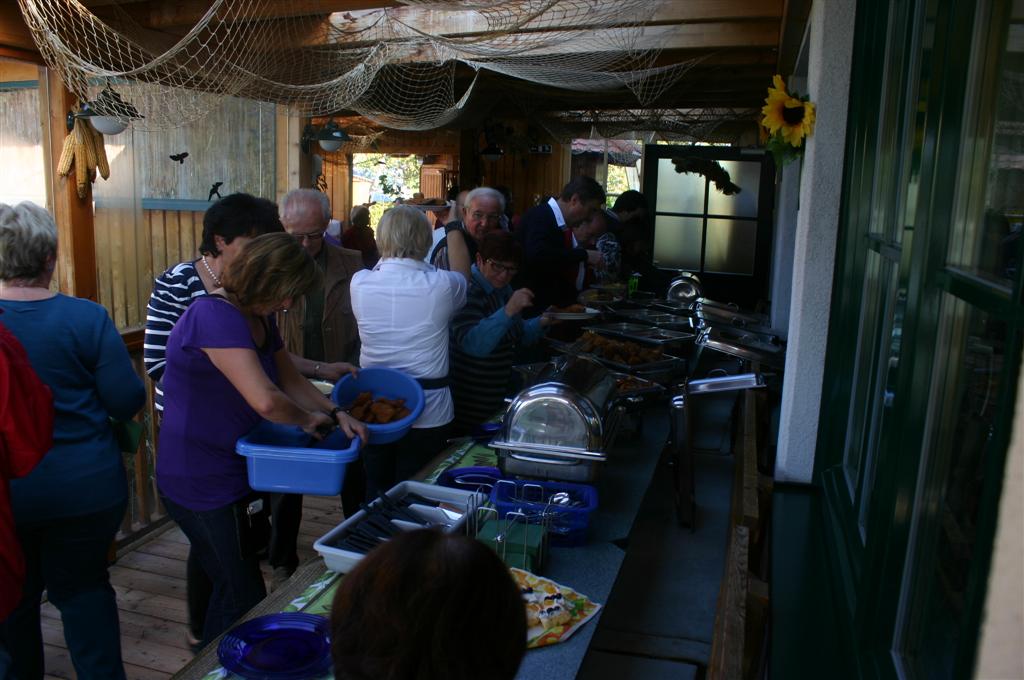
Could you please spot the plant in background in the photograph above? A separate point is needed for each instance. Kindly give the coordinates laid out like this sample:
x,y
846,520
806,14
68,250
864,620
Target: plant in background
x,y
787,119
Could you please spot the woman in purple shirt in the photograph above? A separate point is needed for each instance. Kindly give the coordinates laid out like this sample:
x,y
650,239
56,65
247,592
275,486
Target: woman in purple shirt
x,y
226,370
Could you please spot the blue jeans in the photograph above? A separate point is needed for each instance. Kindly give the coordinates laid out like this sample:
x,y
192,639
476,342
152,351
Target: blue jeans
x,y
214,544
67,556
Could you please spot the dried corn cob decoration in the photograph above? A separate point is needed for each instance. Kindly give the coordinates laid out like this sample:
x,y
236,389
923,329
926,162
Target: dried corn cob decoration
x,y
84,150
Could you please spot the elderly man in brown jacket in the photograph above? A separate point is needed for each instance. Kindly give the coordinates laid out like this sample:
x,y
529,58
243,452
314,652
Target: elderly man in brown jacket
x,y
321,329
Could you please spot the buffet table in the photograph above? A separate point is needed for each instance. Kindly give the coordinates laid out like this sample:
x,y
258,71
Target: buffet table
x,y
590,569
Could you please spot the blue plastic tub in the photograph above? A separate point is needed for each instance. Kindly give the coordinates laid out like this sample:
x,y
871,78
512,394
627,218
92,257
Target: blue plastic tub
x,y
285,459
567,525
387,383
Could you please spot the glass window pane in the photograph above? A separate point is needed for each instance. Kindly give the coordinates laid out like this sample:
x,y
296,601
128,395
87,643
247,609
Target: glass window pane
x,y
679,192
21,135
730,246
677,242
990,213
863,373
963,405
747,176
883,390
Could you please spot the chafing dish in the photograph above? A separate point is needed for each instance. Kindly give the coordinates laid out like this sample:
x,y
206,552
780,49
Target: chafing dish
x,y
665,370
561,428
738,343
717,312
647,335
647,316
685,288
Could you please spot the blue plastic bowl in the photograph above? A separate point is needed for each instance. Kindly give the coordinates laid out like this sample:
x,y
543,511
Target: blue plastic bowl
x,y
387,383
285,459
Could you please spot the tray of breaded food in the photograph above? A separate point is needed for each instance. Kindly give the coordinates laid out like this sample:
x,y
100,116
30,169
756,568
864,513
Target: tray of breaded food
x,y
620,355
379,411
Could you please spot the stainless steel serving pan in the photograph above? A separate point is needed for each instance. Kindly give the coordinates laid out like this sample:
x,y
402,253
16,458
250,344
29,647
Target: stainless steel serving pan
x,y
730,341
647,335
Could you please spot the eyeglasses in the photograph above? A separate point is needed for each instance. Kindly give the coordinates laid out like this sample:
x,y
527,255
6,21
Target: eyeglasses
x,y
312,236
500,268
480,217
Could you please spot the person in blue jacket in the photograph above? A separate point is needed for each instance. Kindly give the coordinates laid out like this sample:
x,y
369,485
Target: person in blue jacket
x,y
68,509
487,331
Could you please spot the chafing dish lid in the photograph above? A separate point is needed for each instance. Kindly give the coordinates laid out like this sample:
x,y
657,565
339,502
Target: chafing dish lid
x,y
552,415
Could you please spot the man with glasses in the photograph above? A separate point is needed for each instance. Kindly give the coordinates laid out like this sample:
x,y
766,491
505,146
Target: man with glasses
x,y
320,332
487,331
481,215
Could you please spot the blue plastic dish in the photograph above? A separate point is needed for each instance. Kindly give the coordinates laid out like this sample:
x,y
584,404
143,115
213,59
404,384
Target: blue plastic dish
x,y
285,459
387,383
471,478
287,646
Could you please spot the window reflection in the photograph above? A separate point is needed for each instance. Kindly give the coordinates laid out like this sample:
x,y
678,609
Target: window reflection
x,y
730,246
679,192
987,241
677,242
965,402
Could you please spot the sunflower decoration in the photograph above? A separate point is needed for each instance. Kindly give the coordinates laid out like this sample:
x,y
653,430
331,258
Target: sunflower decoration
x,y
787,119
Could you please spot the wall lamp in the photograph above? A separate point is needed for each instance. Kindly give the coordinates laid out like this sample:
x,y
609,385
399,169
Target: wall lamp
x,y
108,113
330,137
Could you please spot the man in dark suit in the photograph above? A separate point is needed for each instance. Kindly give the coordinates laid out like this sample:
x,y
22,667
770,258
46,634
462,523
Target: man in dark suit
x,y
551,254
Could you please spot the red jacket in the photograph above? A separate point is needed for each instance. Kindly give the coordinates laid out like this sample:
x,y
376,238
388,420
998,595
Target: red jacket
x,y
26,434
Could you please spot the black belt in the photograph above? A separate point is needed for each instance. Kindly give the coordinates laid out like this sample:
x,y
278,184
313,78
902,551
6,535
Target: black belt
x,y
435,383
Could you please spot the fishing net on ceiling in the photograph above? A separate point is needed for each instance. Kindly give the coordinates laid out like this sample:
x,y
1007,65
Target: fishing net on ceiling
x,y
725,125
410,66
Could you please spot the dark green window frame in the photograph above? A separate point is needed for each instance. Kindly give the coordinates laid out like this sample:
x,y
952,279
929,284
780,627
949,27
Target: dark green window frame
x,y
869,566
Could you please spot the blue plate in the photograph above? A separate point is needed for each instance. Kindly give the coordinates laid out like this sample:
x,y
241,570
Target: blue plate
x,y
287,646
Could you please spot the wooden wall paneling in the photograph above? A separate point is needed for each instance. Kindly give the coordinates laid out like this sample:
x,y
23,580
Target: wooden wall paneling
x,y
154,220
197,233
114,255
134,266
171,234
73,215
337,171
104,266
288,157
186,233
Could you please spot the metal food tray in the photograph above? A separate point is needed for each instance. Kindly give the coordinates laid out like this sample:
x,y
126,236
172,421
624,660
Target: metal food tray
x,y
645,335
668,363
645,386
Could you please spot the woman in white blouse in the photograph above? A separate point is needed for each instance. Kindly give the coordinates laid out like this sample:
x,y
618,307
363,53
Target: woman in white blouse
x,y
403,308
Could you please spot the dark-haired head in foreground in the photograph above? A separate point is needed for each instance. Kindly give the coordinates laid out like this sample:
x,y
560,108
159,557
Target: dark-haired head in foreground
x,y
428,606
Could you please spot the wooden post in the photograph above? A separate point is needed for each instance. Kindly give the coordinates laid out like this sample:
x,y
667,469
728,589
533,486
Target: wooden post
x,y
76,244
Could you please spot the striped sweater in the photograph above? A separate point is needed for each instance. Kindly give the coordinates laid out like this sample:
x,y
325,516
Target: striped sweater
x,y
483,347
173,292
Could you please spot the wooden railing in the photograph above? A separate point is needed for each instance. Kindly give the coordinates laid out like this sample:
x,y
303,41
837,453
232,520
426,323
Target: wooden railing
x,y
145,512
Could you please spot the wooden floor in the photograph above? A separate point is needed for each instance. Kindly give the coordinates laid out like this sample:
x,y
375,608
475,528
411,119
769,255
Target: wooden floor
x,y
150,585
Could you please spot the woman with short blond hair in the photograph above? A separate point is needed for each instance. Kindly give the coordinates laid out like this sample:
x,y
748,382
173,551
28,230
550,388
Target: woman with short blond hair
x,y
403,307
227,370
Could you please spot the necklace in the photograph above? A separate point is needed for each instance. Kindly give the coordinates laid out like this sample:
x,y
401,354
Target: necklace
x,y
216,279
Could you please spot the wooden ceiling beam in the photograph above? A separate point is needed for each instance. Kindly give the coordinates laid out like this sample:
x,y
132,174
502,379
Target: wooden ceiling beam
x,y
14,33
171,14
467,24
709,36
